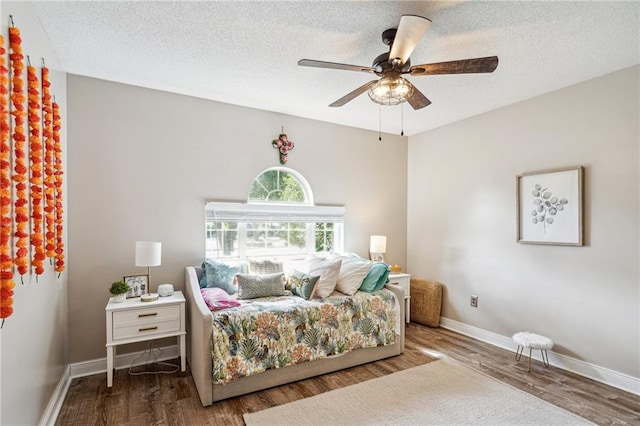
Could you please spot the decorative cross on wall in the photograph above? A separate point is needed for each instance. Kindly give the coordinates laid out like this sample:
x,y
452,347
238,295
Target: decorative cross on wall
x,y
283,145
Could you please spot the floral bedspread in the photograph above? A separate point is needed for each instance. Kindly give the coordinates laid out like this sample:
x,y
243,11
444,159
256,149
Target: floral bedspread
x,y
275,332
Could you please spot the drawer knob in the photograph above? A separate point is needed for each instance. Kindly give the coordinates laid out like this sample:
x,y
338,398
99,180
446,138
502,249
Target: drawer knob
x,y
147,315
148,328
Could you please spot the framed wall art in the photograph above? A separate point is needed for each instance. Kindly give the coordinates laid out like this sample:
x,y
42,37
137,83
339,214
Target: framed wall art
x,y
138,285
549,207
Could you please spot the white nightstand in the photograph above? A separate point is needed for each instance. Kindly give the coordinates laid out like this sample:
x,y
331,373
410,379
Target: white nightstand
x,y
403,280
135,321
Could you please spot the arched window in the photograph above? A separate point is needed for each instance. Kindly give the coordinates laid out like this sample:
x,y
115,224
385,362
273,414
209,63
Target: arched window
x,y
279,219
280,185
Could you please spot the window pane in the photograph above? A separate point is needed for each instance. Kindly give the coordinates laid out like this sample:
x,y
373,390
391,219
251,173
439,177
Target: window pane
x,y
277,186
298,239
260,239
276,239
256,235
222,239
262,185
324,237
291,189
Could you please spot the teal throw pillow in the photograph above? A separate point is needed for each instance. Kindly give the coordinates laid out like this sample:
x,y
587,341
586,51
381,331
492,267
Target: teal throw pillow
x,y
221,275
302,284
384,278
376,278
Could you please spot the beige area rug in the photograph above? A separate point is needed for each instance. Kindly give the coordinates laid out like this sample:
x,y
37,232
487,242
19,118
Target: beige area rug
x,y
442,392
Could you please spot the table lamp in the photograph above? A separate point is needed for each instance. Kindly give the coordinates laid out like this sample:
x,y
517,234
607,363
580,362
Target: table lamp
x,y
377,247
148,253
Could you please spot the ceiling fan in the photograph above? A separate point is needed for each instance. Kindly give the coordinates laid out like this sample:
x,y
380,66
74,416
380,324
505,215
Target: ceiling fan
x,y
391,88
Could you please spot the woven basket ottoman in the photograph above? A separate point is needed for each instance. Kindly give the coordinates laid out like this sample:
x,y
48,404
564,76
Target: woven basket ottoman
x,y
426,301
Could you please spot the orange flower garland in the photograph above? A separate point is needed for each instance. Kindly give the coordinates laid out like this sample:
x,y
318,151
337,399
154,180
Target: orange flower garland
x,y
35,158
21,210
6,261
57,149
49,178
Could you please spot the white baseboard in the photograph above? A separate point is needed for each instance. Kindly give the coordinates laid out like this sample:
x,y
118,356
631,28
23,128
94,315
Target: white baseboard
x,y
592,371
55,403
96,366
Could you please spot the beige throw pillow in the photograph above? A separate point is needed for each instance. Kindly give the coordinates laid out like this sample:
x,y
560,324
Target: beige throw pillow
x,y
352,272
328,271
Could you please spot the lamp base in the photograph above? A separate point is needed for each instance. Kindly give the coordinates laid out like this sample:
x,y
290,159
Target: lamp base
x,y
149,297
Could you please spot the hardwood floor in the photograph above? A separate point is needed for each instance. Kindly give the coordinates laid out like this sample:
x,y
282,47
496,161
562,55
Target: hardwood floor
x,y
173,400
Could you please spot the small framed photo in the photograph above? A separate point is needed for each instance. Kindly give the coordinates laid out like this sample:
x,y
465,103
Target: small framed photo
x,y
549,207
376,257
138,285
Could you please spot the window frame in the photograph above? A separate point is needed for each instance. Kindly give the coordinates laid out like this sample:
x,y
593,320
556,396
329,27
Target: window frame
x,y
244,213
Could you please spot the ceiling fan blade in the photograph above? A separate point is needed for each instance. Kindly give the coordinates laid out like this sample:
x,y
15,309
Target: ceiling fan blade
x,y
463,66
333,65
354,94
417,100
409,33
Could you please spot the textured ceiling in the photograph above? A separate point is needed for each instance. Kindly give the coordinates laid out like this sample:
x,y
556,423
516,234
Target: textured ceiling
x,y
246,53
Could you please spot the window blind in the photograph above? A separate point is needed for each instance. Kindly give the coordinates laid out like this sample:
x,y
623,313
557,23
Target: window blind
x,y
257,212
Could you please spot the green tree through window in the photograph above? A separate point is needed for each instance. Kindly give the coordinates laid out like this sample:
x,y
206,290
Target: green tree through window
x,y
277,185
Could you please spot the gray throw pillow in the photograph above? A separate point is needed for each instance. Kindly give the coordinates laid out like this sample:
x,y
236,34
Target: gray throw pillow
x,y
264,266
254,286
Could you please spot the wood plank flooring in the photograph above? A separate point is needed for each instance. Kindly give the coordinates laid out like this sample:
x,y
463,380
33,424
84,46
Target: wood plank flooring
x,y
172,399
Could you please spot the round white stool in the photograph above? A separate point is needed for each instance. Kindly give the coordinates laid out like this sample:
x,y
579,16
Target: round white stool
x,y
524,339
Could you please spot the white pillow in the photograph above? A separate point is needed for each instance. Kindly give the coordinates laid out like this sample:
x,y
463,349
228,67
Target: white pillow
x,y
352,273
328,271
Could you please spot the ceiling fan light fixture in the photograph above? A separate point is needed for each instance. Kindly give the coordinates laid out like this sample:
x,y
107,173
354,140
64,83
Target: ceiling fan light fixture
x,y
391,90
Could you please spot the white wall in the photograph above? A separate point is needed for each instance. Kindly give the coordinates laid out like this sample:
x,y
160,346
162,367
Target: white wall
x,y
33,341
462,227
142,163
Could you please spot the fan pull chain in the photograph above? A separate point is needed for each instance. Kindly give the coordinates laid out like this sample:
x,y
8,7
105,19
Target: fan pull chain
x,y
379,123
402,119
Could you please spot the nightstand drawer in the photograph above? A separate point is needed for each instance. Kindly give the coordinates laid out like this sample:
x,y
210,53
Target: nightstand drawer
x,y
148,329
146,321
145,316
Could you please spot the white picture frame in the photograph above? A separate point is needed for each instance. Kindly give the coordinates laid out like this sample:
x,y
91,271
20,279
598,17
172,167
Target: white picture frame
x,y
138,284
376,257
549,207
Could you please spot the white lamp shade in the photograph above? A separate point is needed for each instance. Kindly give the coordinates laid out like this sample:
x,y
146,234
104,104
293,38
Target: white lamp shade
x,y
378,244
148,253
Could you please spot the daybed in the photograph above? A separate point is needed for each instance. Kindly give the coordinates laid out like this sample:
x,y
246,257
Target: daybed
x,y
199,332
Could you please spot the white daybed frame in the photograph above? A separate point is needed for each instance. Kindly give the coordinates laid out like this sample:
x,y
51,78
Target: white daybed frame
x,y
199,328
